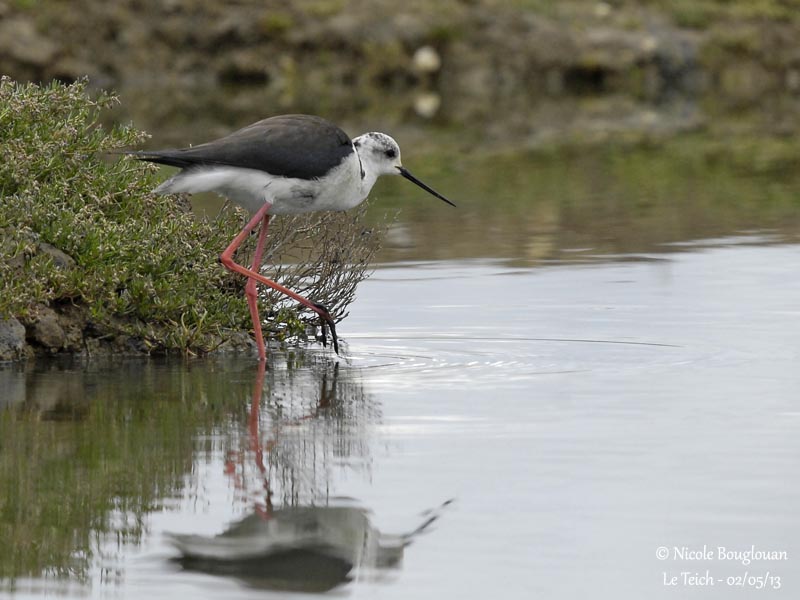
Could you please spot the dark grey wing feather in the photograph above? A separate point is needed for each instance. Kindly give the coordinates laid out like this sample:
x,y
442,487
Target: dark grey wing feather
x,y
301,146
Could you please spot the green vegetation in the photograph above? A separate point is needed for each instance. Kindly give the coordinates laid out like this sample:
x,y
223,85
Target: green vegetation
x,y
701,14
275,23
135,255
691,14
81,227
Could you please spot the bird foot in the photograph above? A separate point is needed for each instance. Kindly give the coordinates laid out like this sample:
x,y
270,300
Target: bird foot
x,y
326,321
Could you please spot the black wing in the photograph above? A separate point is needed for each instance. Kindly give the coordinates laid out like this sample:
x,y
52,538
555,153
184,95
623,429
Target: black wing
x,y
300,146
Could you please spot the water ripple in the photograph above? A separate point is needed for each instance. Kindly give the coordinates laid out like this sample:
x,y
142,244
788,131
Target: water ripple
x,y
484,360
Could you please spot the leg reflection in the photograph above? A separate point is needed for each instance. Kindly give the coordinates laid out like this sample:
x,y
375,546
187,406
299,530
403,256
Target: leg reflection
x,y
254,426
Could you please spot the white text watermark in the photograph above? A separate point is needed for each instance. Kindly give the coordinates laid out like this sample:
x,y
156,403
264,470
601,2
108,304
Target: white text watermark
x,y
760,576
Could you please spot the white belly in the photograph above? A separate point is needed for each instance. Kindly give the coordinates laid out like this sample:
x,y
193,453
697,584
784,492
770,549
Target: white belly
x,y
340,189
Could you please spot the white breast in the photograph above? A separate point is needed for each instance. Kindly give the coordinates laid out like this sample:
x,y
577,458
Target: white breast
x,y
339,189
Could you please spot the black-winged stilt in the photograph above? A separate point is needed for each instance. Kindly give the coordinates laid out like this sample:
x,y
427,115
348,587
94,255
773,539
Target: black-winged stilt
x,y
287,164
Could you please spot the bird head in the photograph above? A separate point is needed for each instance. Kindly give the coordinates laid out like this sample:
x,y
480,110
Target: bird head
x,y
379,151
380,154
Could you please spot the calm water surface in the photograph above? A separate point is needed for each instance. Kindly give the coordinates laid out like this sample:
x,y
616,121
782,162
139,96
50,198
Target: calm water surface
x,y
535,395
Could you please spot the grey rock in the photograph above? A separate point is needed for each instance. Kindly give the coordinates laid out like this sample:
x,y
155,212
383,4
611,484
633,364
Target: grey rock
x,y
12,339
237,342
45,330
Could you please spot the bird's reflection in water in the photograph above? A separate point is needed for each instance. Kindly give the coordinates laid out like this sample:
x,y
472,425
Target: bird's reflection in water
x,y
309,548
306,543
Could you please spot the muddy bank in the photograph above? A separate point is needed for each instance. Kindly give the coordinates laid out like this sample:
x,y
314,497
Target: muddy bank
x,y
66,326
59,330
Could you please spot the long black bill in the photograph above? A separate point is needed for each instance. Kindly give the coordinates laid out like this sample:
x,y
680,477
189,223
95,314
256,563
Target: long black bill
x,y
404,172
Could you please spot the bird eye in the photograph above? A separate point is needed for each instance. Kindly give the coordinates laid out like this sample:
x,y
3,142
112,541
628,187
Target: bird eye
x,y
390,153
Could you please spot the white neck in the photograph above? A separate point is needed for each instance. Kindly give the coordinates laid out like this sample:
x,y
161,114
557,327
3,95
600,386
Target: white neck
x,y
371,174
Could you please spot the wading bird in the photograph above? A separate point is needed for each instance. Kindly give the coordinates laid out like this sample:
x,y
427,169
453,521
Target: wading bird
x,y
283,165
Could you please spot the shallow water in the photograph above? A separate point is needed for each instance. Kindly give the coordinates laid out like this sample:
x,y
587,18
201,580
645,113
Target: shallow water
x,y
580,417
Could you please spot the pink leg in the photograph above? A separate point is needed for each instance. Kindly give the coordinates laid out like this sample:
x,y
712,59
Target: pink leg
x,y
251,290
226,258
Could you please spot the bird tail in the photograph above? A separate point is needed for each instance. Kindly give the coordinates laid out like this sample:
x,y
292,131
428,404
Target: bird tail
x,y
430,516
173,158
